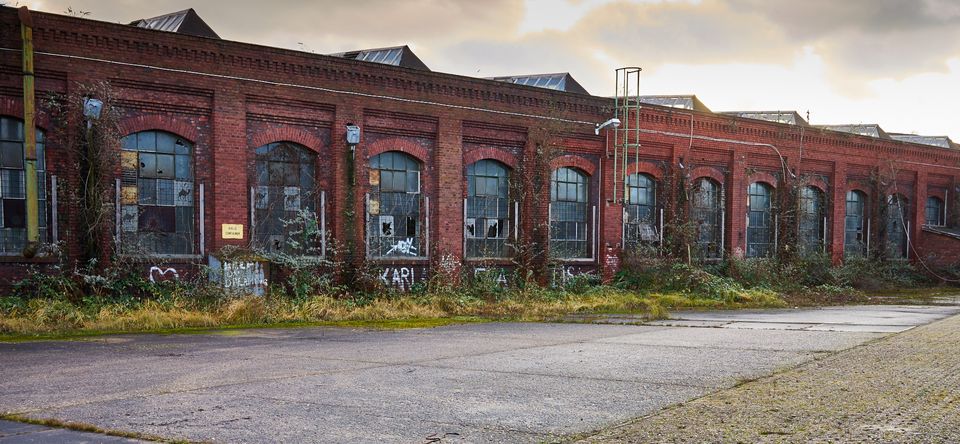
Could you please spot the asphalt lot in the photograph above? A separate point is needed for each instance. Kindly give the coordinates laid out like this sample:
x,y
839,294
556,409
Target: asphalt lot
x,y
496,382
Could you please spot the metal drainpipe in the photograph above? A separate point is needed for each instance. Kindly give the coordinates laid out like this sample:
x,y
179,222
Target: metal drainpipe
x,y
29,135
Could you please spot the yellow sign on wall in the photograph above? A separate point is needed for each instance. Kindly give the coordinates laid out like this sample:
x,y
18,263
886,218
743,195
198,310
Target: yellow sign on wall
x,y
232,231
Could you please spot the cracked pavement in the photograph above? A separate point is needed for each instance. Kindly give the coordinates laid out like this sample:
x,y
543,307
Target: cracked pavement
x,y
494,382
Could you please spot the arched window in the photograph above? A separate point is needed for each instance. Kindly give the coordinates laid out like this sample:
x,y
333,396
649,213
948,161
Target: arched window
x,y
934,212
157,205
854,237
393,225
286,195
811,223
706,212
761,237
640,224
487,224
568,214
13,194
898,213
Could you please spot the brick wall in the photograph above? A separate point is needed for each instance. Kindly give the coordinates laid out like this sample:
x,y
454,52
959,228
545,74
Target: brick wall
x,y
229,98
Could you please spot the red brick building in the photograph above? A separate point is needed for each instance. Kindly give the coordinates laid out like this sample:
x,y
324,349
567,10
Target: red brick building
x,y
225,140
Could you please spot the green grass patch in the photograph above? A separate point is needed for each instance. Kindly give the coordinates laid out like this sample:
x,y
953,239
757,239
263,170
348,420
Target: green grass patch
x,y
87,428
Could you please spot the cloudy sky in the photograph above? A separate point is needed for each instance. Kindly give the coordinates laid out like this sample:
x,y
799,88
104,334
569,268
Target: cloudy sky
x,y
892,62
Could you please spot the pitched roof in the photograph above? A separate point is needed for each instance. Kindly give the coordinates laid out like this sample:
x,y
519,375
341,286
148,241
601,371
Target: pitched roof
x,y
940,141
394,55
788,117
560,81
862,129
690,102
181,22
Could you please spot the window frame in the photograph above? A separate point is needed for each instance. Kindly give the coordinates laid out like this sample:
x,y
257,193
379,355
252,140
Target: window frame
x,y
375,199
709,249
941,219
818,198
131,155
7,173
767,230
637,185
473,202
272,160
861,235
580,204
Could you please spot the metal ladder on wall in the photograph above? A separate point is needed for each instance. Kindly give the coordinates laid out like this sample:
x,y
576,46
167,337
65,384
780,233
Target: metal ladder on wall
x,y
626,136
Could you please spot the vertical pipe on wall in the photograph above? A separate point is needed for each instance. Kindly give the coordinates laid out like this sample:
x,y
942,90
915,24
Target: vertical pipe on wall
x,y
723,233
661,228
427,202
623,227
253,213
596,237
203,219
516,221
29,135
465,227
117,221
323,224
54,219
366,225
824,240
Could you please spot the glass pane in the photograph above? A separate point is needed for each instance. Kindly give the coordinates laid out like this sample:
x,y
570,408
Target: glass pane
x,y
165,142
184,171
165,169
11,155
148,165
14,213
147,141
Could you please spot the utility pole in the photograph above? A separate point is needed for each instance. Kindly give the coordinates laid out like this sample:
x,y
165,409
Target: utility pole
x,y
29,135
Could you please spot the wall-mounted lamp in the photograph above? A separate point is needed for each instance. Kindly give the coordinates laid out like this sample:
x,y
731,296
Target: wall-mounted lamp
x,y
92,108
614,121
353,134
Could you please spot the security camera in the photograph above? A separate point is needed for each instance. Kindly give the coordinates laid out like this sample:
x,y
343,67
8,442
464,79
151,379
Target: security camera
x,y
614,121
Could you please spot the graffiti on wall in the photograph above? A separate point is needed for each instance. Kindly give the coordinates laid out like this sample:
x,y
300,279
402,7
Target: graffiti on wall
x,y
403,246
157,274
240,277
565,274
498,274
401,278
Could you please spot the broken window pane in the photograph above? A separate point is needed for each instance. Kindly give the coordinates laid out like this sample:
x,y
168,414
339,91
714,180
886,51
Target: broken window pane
x,y
14,213
159,219
386,226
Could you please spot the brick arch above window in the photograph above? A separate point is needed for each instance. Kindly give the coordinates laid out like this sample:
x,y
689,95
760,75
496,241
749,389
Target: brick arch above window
x,y
708,172
398,144
937,192
155,122
287,134
14,108
569,160
861,186
764,177
815,182
645,167
501,156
